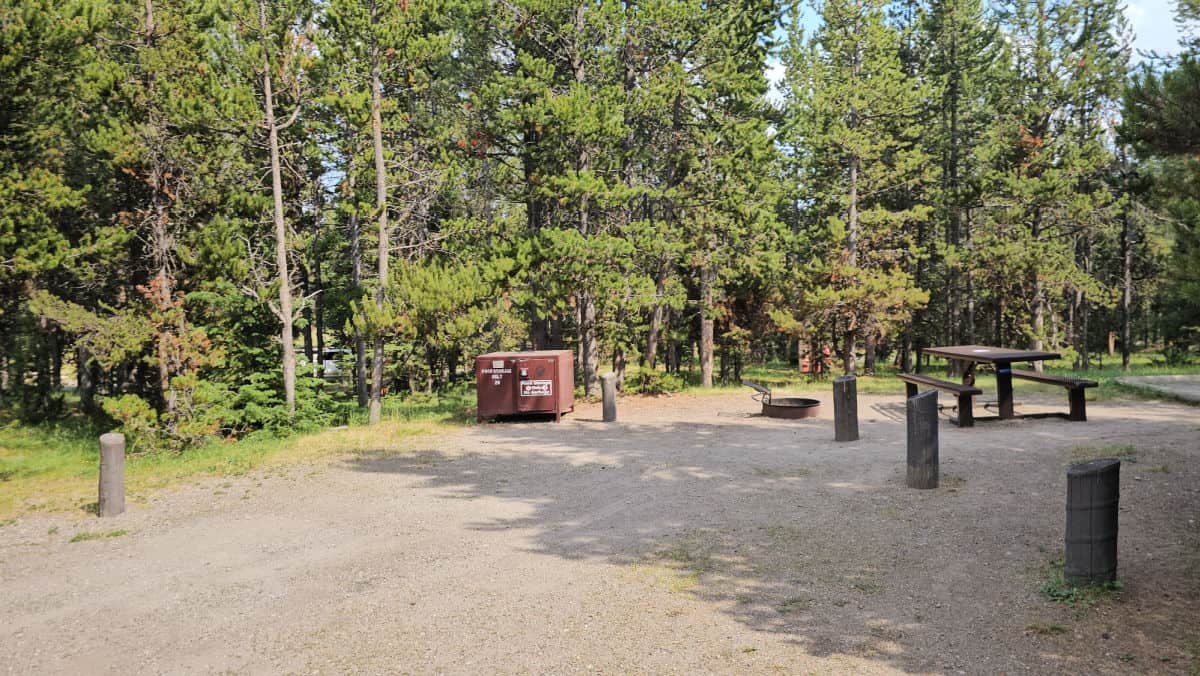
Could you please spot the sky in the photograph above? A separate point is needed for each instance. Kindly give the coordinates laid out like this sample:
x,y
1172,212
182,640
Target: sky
x,y
1153,23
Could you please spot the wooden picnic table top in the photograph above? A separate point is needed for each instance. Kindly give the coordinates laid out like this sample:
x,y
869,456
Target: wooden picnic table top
x,y
987,354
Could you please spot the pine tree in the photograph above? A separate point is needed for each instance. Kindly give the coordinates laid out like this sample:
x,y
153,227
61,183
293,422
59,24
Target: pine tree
x,y
851,112
1048,151
961,54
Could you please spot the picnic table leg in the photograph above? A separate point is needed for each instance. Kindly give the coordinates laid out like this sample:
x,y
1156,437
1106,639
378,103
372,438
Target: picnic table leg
x,y
1004,391
1078,404
968,372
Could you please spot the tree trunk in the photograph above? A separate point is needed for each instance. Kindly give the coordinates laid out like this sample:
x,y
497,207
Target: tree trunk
x,y
1084,321
85,380
5,364
1039,320
161,241
588,347
619,368
848,359
360,344
707,278
869,356
281,244
851,258
56,358
306,337
656,317
1126,291
381,206
319,312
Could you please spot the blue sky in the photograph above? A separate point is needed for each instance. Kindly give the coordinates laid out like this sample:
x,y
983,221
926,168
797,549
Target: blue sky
x,y
1154,25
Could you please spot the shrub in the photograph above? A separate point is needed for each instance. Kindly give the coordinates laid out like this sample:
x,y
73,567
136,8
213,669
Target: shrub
x,y
1176,354
656,382
137,418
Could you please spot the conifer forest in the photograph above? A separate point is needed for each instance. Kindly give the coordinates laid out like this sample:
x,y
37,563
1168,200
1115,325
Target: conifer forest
x,y
202,202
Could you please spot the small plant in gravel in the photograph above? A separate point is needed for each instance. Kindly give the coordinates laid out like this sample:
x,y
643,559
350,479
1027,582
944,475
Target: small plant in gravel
x,y
1193,649
772,473
794,604
951,482
868,587
84,536
1080,597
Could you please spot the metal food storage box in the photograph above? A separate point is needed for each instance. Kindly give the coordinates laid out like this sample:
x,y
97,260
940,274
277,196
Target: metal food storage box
x,y
517,383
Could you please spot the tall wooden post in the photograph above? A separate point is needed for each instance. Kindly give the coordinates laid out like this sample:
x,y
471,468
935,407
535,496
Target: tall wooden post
x,y
608,391
112,474
845,408
922,412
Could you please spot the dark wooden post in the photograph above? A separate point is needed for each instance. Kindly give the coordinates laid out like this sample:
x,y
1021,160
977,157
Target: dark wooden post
x,y
608,391
1093,495
112,474
922,413
845,408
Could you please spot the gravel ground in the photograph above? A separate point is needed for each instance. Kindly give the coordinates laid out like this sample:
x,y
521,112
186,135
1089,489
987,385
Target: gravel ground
x,y
691,536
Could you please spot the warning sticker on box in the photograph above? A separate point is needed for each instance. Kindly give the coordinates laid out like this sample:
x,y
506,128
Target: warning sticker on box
x,y
537,388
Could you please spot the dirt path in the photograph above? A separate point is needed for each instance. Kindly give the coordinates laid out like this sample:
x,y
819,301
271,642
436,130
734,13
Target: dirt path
x,y
692,536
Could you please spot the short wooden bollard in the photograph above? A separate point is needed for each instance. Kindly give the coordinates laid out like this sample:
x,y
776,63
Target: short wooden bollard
x,y
608,390
1093,495
922,412
845,408
112,474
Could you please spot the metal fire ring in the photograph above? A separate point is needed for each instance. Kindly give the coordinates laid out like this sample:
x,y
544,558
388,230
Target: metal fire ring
x,y
783,407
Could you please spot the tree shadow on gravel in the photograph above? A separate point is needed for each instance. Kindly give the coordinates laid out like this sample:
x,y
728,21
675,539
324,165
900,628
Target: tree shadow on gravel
x,y
787,532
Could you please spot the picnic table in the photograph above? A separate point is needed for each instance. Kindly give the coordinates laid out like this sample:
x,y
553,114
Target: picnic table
x,y
1002,359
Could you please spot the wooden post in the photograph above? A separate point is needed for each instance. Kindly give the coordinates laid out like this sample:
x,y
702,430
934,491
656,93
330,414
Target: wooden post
x,y
1093,495
922,413
112,474
845,408
608,391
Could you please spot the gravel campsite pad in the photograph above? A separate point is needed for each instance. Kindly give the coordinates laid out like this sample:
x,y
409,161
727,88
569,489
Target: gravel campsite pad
x,y
691,536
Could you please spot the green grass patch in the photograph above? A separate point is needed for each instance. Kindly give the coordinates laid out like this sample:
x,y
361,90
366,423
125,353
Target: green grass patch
x,y
1046,629
83,537
794,604
54,466
1057,588
1080,454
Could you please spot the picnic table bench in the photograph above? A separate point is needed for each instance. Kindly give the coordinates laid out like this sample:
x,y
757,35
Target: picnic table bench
x,y
1075,389
966,416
